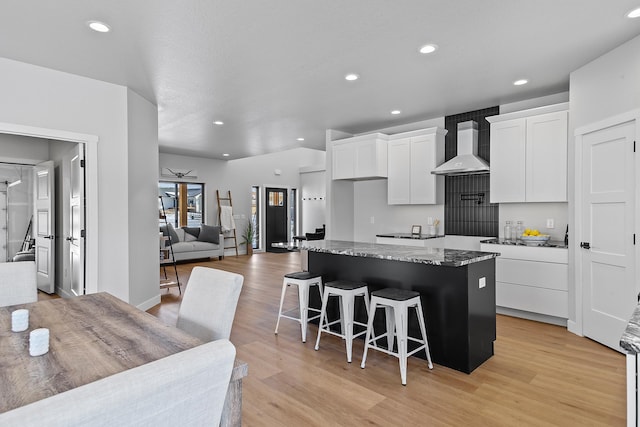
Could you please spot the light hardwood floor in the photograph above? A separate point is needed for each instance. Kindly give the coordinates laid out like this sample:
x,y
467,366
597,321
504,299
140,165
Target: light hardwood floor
x,y
540,374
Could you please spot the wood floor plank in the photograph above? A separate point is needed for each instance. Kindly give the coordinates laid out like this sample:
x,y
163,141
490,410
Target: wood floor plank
x,y
540,375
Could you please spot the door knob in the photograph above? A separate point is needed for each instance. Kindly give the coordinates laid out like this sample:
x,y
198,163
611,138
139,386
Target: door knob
x,y
50,237
70,238
585,245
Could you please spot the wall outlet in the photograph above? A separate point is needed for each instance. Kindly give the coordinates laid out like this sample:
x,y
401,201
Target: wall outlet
x,y
550,223
482,282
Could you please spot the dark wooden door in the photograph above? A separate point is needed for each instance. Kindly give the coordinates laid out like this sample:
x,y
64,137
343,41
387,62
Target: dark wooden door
x,y
276,217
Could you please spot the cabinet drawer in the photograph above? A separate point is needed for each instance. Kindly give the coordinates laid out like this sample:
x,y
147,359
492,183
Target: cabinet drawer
x,y
533,273
536,300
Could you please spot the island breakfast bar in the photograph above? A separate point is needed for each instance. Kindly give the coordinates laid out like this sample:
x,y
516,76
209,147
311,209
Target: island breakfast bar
x,y
457,290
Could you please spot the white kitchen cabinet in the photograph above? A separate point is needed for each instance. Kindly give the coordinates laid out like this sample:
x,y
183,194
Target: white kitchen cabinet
x,y
360,157
532,279
411,158
529,155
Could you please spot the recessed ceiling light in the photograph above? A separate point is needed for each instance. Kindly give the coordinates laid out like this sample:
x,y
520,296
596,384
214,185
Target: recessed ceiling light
x,y
635,13
520,82
225,155
429,48
351,77
394,112
98,26
300,139
218,122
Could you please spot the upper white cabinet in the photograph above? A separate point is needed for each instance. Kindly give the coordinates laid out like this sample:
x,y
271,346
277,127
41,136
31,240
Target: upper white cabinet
x,y
411,158
529,155
360,157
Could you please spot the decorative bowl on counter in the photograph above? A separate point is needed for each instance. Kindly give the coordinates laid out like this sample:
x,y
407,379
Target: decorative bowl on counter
x,y
535,240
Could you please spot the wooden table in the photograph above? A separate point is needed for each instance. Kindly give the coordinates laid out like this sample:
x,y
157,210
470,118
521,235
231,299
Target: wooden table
x,y
92,337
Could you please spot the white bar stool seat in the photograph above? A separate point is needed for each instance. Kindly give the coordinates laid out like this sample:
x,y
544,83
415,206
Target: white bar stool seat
x,y
347,291
303,280
396,303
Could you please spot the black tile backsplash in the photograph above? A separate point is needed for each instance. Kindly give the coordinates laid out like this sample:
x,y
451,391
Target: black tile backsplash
x,y
467,211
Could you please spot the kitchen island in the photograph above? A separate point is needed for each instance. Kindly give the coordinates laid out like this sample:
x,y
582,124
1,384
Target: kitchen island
x,y
457,290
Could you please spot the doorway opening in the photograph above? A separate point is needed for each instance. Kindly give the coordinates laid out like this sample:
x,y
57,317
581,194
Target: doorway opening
x,y
58,145
276,230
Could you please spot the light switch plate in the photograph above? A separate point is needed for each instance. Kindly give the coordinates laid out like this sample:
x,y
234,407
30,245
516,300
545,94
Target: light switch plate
x,y
482,282
550,223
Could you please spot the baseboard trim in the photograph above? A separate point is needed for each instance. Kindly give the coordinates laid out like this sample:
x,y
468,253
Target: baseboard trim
x,y
151,302
572,326
532,316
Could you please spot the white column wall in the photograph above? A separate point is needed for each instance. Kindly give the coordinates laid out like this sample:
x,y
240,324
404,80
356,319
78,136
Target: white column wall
x,y
605,87
40,97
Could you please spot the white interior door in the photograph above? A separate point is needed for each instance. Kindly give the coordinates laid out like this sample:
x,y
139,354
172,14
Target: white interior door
x,y
75,268
44,202
607,232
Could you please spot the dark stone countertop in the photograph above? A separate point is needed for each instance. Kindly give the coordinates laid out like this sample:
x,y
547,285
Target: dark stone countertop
x,y
409,236
548,244
630,340
419,255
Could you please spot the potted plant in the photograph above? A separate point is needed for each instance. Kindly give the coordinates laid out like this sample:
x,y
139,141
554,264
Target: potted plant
x,y
248,235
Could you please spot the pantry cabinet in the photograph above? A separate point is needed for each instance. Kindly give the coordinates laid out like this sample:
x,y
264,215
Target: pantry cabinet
x,y
411,158
529,155
360,157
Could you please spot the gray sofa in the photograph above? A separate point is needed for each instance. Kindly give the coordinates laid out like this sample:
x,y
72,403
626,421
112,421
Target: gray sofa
x,y
191,243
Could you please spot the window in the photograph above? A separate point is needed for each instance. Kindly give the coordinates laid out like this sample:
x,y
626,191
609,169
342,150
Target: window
x,y
183,203
255,209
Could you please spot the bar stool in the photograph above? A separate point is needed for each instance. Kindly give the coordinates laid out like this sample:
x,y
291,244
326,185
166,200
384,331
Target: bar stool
x,y
347,292
303,280
396,303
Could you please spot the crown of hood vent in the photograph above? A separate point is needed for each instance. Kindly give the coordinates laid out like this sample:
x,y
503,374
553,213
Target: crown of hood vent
x,y
466,162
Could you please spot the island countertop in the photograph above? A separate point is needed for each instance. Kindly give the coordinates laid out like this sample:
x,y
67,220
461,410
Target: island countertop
x,y
630,340
419,255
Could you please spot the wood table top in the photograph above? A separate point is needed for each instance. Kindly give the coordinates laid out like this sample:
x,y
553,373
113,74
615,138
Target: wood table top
x,y
91,337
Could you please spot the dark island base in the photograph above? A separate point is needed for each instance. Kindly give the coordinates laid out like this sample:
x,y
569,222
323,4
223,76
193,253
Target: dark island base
x,y
460,316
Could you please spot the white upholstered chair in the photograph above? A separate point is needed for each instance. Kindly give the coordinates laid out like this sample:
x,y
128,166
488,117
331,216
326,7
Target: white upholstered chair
x,y
209,303
184,389
18,283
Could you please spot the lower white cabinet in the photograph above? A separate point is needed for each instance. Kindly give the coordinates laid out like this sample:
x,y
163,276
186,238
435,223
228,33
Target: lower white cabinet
x,y
532,279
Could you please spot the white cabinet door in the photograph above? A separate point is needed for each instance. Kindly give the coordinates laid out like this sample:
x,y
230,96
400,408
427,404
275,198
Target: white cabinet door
x,y
426,154
344,156
507,151
371,159
399,176
546,168
411,158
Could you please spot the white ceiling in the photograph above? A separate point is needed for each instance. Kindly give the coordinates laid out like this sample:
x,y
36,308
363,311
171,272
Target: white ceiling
x,y
273,70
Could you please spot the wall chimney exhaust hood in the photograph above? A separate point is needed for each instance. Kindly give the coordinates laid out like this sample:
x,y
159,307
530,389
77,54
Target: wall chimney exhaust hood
x,y
466,162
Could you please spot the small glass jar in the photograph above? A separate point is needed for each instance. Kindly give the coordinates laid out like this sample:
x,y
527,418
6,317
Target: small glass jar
x,y
508,231
519,230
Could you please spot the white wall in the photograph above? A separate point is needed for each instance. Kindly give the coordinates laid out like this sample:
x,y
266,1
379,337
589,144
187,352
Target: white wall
x,y
142,160
313,200
238,176
370,201
23,149
44,98
603,88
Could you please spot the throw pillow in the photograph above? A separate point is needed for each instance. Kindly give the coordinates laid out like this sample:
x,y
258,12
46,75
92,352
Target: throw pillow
x,y
168,230
209,234
194,231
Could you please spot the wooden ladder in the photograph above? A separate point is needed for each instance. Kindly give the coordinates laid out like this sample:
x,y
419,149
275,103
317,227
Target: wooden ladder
x,y
227,199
